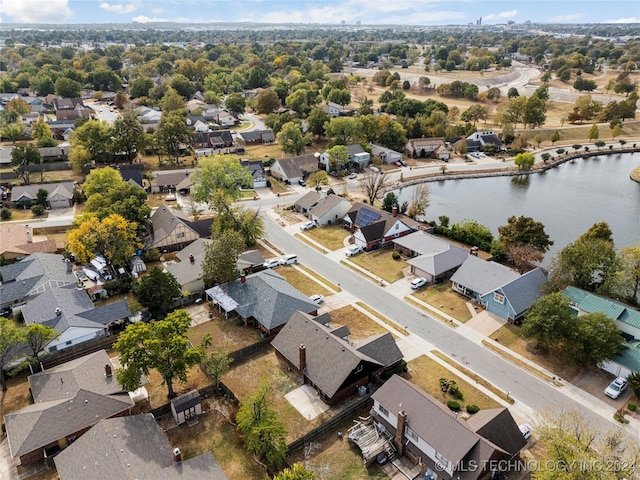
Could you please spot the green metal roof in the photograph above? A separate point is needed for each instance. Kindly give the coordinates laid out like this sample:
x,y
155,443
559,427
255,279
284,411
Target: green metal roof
x,y
590,303
629,358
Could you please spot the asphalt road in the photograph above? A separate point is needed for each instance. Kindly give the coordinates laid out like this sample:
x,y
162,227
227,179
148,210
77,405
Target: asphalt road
x,y
534,393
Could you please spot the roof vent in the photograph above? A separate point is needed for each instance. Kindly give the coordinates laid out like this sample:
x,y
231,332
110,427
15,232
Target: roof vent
x,y
58,312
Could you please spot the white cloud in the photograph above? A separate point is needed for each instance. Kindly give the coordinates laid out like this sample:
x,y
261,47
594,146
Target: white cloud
x,y
145,19
497,16
121,8
567,18
36,11
624,20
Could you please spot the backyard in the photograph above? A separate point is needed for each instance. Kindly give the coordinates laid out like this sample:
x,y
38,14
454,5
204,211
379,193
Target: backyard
x,y
228,334
381,264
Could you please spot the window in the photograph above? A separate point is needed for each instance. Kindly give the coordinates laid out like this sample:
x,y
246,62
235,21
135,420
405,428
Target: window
x,y
498,297
383,410
411,434
180,235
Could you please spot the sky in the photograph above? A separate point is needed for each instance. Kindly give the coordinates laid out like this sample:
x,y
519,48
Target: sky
x,y
368,12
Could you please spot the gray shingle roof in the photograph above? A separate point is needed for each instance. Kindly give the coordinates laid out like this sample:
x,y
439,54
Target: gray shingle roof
x,y
436,256
185,271
31,191
308,200
187,400
326,204
482,276
128,448
382,348
524,290
265,296
498,426
164,221
330,360
294,166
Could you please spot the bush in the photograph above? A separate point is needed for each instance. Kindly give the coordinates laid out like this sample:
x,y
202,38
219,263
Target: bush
x,y
453,405
473,409
395,256
116,287
632,406
151,255
5,214
37,210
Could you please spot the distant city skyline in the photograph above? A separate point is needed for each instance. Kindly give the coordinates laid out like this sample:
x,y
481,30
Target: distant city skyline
x,y
366,12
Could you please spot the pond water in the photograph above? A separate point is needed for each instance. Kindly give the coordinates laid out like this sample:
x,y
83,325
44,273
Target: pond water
x,y
567,200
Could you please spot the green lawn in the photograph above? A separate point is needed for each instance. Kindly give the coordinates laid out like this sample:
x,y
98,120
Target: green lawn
x,y
330,236
381,264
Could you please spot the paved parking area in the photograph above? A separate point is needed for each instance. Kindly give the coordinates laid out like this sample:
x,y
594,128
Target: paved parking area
x,y
595,382
306,400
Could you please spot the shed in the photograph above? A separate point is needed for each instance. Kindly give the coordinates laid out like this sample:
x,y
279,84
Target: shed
x,y
186,407
137,265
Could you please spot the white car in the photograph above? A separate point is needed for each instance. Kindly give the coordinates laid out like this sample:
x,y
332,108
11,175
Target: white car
x,y
418,282
274,262
353,175
353,250
526,430
317,299
616,387
307,225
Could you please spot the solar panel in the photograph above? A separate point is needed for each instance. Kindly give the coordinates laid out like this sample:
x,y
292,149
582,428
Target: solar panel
x,y
366,217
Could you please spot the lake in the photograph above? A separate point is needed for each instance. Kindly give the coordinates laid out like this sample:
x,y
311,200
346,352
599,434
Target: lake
x,y
567,200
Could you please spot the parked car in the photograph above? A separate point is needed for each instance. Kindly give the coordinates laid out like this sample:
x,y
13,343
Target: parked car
x,y
307,225
317,299
353,175
526,430
353,250
403,163
616,387
271,263
418,282
289,259
302,183
398,163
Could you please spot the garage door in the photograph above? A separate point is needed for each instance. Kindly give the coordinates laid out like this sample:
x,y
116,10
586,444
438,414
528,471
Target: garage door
x,y
59,202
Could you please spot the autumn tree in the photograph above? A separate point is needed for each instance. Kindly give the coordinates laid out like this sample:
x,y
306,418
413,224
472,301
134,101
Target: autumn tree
x,y
419,201
37,336
219,178
291,139
297,471
593,132
220,264
338,156
525,160
317,179
113,237
94,137
42,134
267,101
521,231
157,290
161,345
10,337
372,184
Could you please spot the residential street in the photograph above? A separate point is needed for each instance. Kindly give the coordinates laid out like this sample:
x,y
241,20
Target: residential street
x,y
463,344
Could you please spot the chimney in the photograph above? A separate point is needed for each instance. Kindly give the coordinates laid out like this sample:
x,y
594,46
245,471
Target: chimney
x,y
243,279
303,357
394,211
399,437
177,456
192,259
28,233
108,371
58,312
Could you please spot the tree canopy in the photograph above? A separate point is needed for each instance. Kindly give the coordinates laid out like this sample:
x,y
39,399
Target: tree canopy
x,y
157,290
219,178
221,257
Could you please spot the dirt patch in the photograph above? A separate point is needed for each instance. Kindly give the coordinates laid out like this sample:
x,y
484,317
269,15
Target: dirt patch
x,y
17,395
360,325
229,334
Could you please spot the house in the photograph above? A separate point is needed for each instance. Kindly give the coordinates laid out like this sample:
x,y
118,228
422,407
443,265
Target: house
x,y
68,400
18,241
423,147
428,433
132,173
293,169
511,300
188,269
132,447
375,228
335,110
385,154
5,156
329,210
172,181
478,140
429,256
32,276
249,261
357,156
59,195
265,297
70,109
336,368
627,319
55,154
477,277
71,313
307,201
257,137
148,115
258,174
170,230
186,406
213,140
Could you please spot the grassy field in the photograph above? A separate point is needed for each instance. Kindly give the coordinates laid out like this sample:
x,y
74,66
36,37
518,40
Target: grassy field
x,y
330,236
302,282
381,264
226,334
426,374
360,325
443,298
510,336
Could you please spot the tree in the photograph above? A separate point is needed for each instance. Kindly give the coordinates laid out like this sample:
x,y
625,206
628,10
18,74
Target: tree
x,y
161,345
124,199
172,133
626,280
474,113
317,120
338,156
101,180
616,131
94,137
10,337
593,132
593,339
555,136
548,321
419,201
372,183
219,178
295,472
67,88
262,431
344,130
220,264
267,101
522,231
390,201
24,155
493,94
513,93
316,179
37,337
235,103
584,85
217,364
525,160
172,101
113,237
156,291
42,134
128,136
291,139
571,440
140,87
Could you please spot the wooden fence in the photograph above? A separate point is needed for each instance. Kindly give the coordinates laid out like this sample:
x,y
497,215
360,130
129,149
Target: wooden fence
x,y
77,351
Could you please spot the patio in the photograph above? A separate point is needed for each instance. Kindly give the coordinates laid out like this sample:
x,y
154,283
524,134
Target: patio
x,y
306,400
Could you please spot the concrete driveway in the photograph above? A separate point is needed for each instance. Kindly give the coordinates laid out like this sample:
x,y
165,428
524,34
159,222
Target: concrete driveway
x,y
8,466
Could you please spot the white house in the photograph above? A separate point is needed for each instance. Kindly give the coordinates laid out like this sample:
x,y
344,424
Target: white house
x,y
386,154
356,155
329,210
